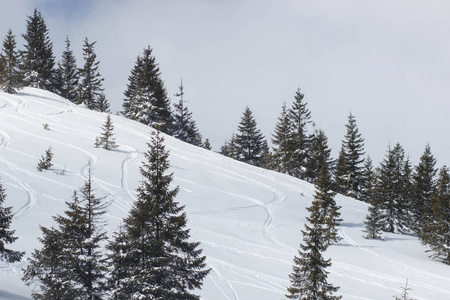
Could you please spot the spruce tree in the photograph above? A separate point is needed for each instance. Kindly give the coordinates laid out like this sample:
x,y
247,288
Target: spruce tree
x,y
341,173
37,59
229,148
424,189
436,233
10,79
282,139
106,140
319,154
157,261
68,75
207,144
103,104
90,88
184,127
6,234
71,261
368,180
309,277
249,140
353,144
45,163
300,117
146,98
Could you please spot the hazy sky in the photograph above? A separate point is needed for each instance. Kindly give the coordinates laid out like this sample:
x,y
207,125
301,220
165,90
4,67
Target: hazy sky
x,y
388,62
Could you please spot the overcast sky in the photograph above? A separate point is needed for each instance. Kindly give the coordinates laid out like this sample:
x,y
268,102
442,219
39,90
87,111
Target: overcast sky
x,y
388,62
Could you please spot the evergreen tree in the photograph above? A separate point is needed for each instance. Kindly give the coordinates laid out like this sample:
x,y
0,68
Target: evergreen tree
x,y
424,189
249,140
436,233
106,140
319,154
185,128
68,75
37,59
45,163
80,266
341,173
6,234
265,160
299,117
282,139
368,180
353,144
158,261
207,144
10,79
103,104
309,277
146,98
229,148
90,88
404,295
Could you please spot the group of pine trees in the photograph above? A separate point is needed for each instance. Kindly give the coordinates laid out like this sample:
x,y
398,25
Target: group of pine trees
x,y
35,66
149,257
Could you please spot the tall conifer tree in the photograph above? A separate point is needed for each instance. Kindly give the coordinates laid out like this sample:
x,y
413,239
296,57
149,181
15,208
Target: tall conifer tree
x,y
158,261
10,79
68,75
320,154
282,139
37,59
6,234
90,88
249,140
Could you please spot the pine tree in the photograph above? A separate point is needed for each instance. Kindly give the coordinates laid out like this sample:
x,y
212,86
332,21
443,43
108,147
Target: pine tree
x,y
146,98
353,144
299,117
319,154
158,260
10,79
106,140
374,219
436,233
309,277
368,180
282,139
6,234
103,104
37,59
207,144
229,148
424,189
184,127
68,75
90,88
71,261
45,163
404,295
341,173
249,140
265,160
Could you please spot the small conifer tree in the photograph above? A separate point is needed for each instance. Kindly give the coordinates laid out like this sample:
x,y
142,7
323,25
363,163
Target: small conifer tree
x,y
106,140
207,144
249,140
45,163
10,79
68,75
374,221
6,234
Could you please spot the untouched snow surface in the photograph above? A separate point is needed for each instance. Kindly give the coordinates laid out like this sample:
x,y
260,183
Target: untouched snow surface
x,y
247,219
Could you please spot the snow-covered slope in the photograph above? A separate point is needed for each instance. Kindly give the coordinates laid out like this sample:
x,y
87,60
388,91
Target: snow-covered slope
x,y
247,219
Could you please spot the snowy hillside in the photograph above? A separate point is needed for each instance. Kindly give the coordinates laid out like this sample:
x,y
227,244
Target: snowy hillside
x,y
247,219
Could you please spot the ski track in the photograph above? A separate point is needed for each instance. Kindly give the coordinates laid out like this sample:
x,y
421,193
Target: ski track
x,y
31,194
229,285
5,139
124,168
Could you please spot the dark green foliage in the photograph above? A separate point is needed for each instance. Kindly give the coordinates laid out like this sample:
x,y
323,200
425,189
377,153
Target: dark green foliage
x,y
424,189
68,76
309,277
37,59
340,173
368,180
319,154
390,189
207,144
71,263
353,151
229,149
152,256
106,140
45,163
282,139
299,118
184,127
10,79
374,220
436,233
146,98
103,103
249,140
90,88
6,234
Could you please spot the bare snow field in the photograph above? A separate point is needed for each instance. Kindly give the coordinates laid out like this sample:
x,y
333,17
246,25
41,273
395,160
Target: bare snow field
x,y
247,219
